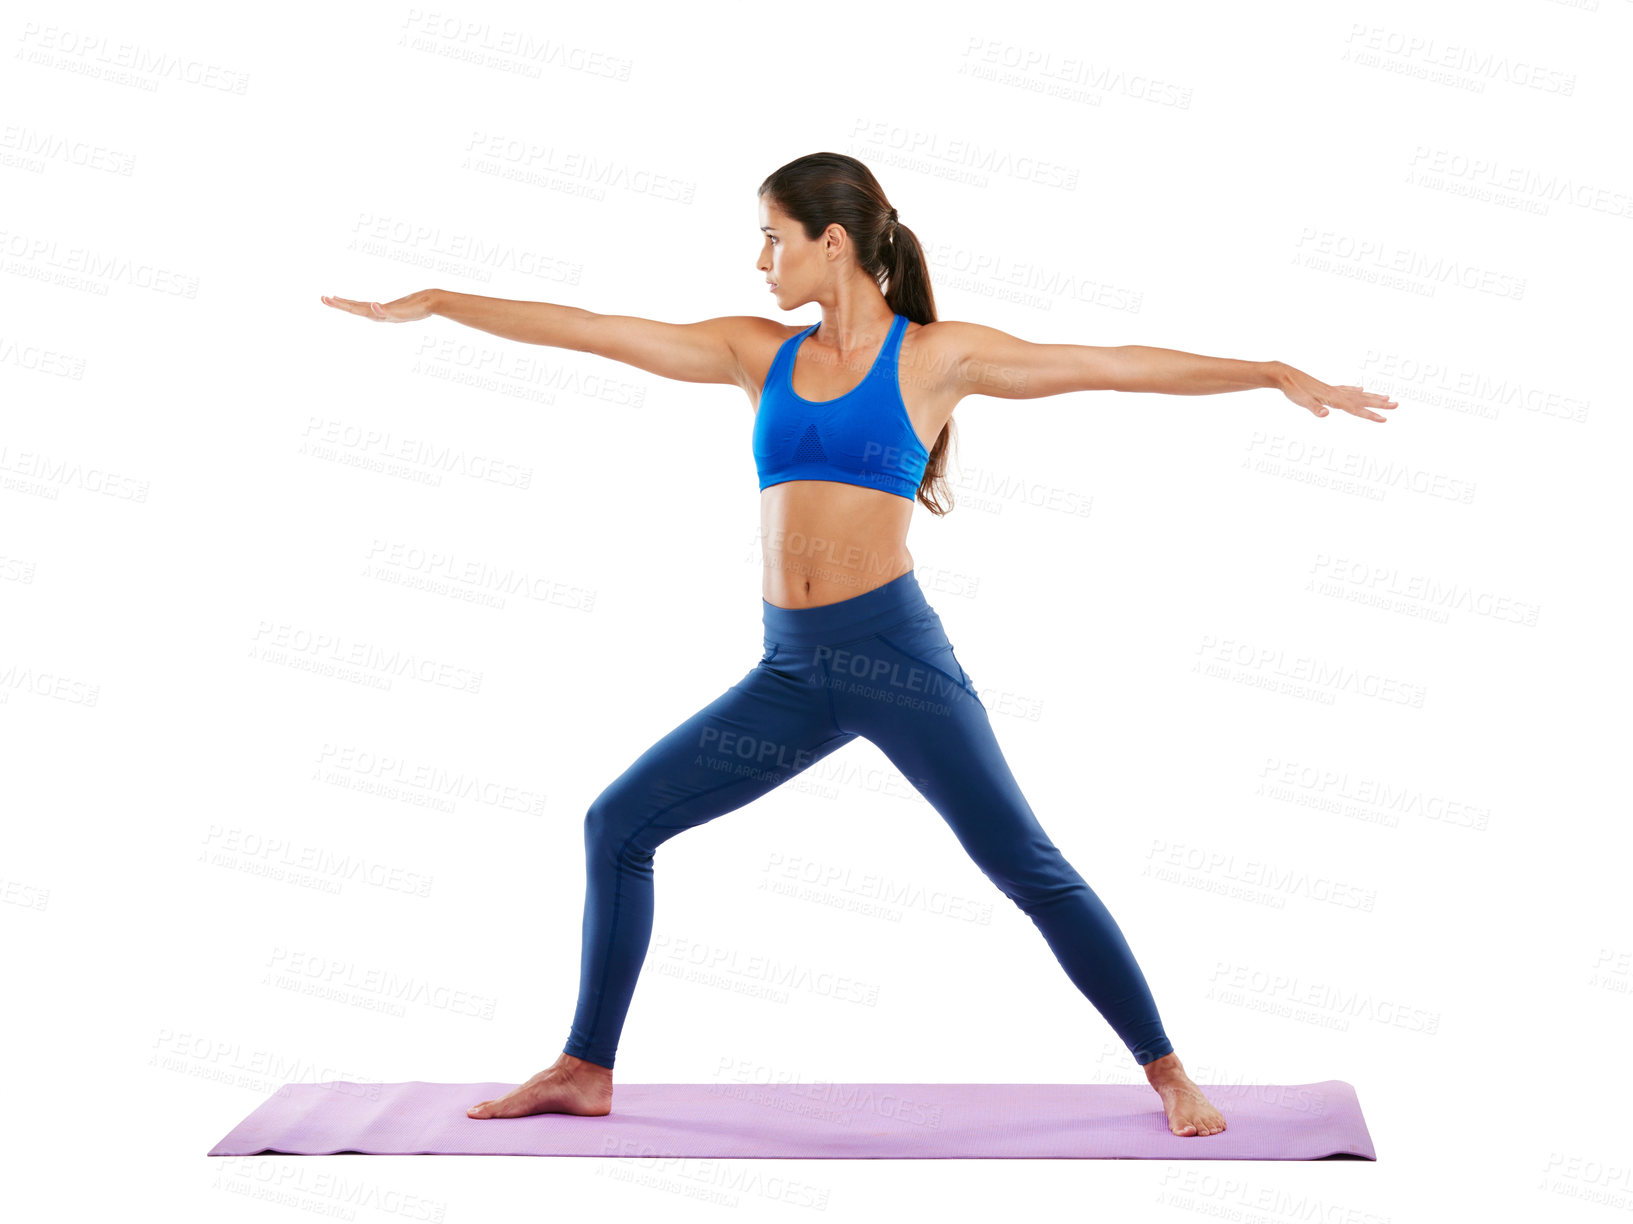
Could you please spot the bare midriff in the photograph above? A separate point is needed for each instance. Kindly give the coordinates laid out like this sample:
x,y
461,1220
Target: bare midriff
x,y
824,541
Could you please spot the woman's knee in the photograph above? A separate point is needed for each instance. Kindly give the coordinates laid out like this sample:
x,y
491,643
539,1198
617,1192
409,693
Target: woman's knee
x,y
610,825
1038,879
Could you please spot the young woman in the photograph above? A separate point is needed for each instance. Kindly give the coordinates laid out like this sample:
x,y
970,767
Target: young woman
x,y
853,418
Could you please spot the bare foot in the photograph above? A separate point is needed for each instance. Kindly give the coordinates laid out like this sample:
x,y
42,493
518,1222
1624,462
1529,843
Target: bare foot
x,y
1189,1112
570,1086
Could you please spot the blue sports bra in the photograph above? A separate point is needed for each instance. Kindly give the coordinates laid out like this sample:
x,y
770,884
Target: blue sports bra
x,y
863,437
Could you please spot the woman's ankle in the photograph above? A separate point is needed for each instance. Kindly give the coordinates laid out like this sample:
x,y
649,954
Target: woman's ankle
x,y
1168,1064
581,1068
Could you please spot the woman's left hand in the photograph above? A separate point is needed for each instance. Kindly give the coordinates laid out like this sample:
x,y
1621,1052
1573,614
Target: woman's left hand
x,y
1312,393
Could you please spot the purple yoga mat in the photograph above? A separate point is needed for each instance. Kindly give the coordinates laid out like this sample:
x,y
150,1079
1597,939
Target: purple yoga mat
x,y
935,1121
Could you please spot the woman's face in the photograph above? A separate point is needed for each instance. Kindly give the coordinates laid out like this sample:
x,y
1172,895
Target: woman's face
x,y
791,262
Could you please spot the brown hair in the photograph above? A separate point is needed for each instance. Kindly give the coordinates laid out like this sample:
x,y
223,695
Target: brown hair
x,y
823,189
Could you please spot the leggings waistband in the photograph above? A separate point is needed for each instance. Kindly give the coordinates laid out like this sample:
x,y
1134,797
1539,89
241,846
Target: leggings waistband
x,y
897,600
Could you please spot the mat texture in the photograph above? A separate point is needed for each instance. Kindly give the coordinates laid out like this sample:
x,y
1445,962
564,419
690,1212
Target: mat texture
x,y
847,1121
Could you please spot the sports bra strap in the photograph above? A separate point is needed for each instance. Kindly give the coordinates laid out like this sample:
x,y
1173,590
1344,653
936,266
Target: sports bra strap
x,y
884,365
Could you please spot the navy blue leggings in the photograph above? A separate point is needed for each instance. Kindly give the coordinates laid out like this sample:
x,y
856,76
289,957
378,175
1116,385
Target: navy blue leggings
x,y
877,665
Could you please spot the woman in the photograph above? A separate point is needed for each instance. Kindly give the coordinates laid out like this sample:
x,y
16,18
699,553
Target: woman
x,y
853,418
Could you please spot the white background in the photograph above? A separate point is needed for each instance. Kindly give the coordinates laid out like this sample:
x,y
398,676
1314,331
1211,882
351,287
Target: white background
x,y
1328,712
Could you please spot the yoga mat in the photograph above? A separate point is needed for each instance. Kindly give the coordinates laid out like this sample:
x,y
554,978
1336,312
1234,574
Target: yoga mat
x,y
817,1120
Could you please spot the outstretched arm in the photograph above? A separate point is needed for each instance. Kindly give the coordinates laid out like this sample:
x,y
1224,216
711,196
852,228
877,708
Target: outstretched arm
x,y
991,362
687,352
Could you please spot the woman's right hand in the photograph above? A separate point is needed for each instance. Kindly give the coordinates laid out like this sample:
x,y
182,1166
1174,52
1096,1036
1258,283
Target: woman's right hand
x,y
408,309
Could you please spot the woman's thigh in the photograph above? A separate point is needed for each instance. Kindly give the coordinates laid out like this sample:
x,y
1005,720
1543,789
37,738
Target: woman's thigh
x,y
768,727
905,690
906,673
